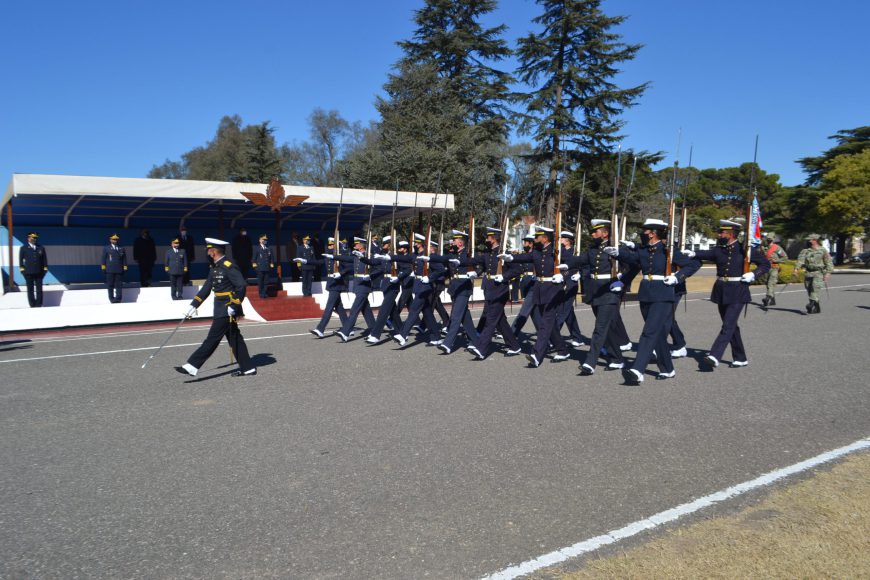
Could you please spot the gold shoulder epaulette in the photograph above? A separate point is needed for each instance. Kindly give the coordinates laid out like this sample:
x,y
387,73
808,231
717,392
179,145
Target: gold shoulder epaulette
x,y
227,263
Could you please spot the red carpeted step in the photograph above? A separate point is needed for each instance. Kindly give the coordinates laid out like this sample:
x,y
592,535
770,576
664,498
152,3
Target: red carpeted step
x,y
283,307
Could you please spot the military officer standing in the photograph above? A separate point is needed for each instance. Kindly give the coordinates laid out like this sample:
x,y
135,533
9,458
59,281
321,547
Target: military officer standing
x,y
264,262
818,267
175,264
114,264
189,247
730,291
33,263
145,254
306,259
229,287
775,255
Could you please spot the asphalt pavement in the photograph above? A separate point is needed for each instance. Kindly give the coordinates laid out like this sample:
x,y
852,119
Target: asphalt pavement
x,y
356,461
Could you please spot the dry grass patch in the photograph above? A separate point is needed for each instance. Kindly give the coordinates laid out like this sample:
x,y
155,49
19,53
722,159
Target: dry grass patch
x,y
816,528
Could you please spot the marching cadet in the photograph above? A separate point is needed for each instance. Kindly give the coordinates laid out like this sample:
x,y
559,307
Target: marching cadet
x,y
438,277
175,264
567,316
406,282
496,291
423,289
390,286
528,281
307,260
775,255
33,263
229,287
114,264
656,296
602,292
264,262
548,295
337,276
460,289
363,280
818,266
730,291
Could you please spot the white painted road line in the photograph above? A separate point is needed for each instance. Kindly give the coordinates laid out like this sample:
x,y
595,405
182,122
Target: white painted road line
x,y
656,520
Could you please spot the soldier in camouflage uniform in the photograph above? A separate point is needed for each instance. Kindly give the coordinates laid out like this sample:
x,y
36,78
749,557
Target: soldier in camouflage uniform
x,y
817,263
775,255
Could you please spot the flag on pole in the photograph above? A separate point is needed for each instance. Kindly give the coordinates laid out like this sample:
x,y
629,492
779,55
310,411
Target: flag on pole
x,y
755,225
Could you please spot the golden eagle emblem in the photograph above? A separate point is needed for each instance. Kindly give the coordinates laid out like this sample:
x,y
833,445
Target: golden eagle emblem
x,y
274,197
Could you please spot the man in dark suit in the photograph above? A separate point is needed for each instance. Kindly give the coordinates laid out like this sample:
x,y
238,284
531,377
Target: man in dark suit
x,y
114,264
190,249
33,263
243,251
145,254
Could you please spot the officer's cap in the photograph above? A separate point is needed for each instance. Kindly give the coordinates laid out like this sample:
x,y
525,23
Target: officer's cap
x,y
542,231
358,240
434,243
33,235
264,237
600,224
403,244
215,243
729,225
816,237
176,241
457,234
654,224
308,238
529,238
566,234
419,238
387,239
495,232
114,237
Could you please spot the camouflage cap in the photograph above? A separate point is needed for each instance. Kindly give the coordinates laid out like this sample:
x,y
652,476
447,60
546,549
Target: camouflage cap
x,y
816,237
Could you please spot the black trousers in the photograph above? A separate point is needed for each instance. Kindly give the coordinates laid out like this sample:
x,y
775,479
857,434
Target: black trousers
x,y
220,327
404,301
115,286
548,331
421,304
176,286
145,269
527,310
656,324
619,329
460,318
360,304
568,317
677,338
386,312
262,280
333,304
494,319
307,278
729,333
438,306
34,289
604,334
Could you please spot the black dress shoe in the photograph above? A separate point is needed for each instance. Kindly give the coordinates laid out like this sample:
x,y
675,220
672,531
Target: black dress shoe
x,y
241,373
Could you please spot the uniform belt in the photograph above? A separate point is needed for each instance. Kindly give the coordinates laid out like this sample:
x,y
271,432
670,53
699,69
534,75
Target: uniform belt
x,y
652,277
362,275
461,276
222,294
602,276
549,279
729,278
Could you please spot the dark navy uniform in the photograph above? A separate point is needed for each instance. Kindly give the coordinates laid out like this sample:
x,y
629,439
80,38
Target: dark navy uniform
x,y
188,245
405,267
566,315
597,271
527,283
264,262
460,289
175,264
336,285
422,302
33,263
390,286
363,281
548,295
730,294
657,301
306,252
229,287
495,295
114,264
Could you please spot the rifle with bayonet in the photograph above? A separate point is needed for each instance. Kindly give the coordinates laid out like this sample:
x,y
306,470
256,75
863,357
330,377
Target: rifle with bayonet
x,y
428,249
394,242
558,227
684,215
499,269
747,249
336,249
579,229
672,209
614,218
369,236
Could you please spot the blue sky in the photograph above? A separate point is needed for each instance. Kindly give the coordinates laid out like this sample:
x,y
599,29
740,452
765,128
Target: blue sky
x,y
112,88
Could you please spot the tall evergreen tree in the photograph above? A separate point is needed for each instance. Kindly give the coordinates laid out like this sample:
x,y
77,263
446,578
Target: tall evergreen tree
x,y
573,105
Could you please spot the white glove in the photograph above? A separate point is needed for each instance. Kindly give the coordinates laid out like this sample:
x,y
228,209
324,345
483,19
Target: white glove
x,y
498,278
575,277
506,257
384,257
611,251
424,258
472,275
563,267
454,261
412,275
358,254
231,311
671,280
616,286
330,256
424,279
628,244
747,278
393,279
688,253
365,277
335,275
191,310
558,279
